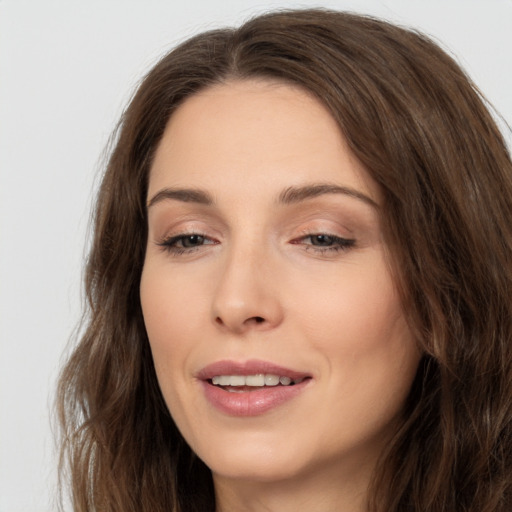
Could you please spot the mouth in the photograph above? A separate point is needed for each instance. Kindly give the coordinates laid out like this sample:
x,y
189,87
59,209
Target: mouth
x,y
250,388
247,383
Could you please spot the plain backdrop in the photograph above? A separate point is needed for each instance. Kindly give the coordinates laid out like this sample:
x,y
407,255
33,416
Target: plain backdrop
x,y
67,69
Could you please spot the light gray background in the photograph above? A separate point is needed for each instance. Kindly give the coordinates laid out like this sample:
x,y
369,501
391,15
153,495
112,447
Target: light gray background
x,y
66,70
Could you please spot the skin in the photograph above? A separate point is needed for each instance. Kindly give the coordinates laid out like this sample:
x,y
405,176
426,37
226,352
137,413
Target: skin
x,y
258,286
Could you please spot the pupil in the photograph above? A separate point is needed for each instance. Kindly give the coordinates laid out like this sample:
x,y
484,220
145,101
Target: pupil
x,y
192,240
321,240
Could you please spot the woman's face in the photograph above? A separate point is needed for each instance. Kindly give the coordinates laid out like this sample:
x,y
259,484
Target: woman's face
x,y
266,263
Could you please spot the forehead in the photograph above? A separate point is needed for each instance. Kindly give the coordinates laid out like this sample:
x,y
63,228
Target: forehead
x,y
253,134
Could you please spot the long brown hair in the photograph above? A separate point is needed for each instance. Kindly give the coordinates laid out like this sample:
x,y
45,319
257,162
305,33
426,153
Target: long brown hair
x,y
423,132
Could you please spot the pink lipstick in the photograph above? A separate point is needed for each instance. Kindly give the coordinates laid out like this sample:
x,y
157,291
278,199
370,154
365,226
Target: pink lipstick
x,y
250,388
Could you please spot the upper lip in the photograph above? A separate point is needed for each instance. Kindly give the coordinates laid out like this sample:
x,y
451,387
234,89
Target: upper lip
x,y
250,367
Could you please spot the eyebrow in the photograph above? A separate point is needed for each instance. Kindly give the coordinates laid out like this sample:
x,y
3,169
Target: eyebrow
x,y
293,195
186,195
290,195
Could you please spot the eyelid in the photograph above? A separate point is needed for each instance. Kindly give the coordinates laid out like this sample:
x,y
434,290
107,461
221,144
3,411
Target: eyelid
x,y
163,223
176,224
169,243
339,243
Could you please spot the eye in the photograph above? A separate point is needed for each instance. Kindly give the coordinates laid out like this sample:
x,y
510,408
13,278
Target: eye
x,y
185,243
322,240
323,243
188,241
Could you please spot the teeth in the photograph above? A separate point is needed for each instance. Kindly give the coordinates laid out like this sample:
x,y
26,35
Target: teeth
x,y
258,380
271,380
255,380
237,380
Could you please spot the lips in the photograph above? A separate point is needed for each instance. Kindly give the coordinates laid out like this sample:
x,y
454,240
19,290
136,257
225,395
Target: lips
x,y
250,388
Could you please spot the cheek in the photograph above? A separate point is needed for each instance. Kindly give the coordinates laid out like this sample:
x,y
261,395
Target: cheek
x,y
168,315
357,323
172,306
356,310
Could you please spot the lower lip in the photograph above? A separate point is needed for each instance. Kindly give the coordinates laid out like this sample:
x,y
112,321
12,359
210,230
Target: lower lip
x,y
251,403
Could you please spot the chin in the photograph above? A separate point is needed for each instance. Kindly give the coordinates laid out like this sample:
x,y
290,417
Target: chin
x,y
250,459
263,471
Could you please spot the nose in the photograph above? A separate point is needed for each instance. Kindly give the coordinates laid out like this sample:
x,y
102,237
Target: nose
x,y
246,297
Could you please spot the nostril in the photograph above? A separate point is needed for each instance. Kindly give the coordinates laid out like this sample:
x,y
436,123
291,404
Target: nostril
x,y
235,323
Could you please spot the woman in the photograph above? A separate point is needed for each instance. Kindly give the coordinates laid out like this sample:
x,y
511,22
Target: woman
x,y
299,287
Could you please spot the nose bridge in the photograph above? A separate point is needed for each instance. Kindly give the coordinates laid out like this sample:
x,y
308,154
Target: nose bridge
x,y
245,296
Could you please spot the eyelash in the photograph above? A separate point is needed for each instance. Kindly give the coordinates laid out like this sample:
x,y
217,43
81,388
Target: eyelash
x,y
339,244
170,244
